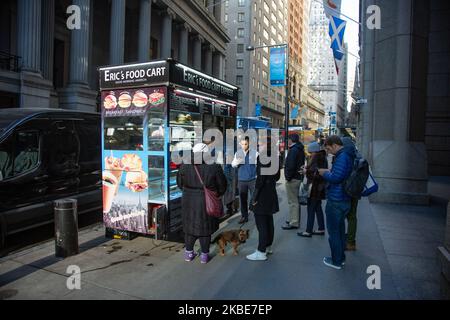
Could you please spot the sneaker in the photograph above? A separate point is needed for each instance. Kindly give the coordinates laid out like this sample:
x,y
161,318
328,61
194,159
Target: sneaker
x,y
257,256
350,246
329,263
189,256
269,250
289,227
304,234
204,258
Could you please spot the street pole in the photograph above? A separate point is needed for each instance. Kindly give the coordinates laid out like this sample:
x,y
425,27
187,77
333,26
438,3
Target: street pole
x,y
286,120
286,112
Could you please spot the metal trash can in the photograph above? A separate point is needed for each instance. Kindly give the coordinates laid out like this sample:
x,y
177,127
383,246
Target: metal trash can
x,y
66,228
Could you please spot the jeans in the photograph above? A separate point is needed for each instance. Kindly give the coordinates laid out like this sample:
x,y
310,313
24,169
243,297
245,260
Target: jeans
x,y
189,241
315,210
336,212
352,222
244,188
264,224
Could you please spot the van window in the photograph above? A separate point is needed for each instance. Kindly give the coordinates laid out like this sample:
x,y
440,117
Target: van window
x,y
19,154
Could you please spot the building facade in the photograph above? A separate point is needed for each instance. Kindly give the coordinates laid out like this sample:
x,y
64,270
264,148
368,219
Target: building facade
x,y
322,75
255,23
46,64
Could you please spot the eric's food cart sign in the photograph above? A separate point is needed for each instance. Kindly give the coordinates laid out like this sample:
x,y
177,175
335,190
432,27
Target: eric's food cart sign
x,y
134,75
161,73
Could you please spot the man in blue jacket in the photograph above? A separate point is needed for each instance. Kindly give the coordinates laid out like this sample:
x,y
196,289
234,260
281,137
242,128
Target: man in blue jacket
x,y
292,172
338,202
245,161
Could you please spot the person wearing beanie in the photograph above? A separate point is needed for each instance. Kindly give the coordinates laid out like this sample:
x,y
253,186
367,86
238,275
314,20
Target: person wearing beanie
x,y
197,224
317,160
293,175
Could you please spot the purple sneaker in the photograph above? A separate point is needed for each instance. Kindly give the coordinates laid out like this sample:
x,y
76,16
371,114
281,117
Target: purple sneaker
x,y
189,256
204,258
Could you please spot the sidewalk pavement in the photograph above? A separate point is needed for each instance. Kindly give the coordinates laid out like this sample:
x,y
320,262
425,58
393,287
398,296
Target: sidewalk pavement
x,y
401,240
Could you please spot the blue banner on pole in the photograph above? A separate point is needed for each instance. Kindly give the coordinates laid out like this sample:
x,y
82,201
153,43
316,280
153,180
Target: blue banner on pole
x,y
278,67
294,113
257,110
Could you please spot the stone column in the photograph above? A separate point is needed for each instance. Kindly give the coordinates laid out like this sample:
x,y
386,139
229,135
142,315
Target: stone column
x,y
34,89
48,38
395,86
77,95
166,43
29,34
184,43
197,52
208,58
218,65
145,30
117,32
218,10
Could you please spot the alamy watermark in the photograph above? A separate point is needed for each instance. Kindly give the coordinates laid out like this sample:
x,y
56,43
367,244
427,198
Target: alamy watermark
x,y
74,281
374,280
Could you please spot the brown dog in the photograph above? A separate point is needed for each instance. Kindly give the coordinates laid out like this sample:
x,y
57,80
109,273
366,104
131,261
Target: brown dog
x,y
236,237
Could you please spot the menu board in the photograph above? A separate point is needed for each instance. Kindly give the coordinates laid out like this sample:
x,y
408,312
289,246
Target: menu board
x,y
183,103
119,103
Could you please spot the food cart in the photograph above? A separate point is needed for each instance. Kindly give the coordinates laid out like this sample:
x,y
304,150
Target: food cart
x,y
150,110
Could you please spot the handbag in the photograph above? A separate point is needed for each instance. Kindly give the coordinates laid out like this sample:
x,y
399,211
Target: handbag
x,y
304,192
214,206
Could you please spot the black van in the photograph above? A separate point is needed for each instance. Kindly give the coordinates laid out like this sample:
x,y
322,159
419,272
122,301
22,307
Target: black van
x,y
45,155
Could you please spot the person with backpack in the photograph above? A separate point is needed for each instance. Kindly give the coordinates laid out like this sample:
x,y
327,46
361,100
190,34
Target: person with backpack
x,y
293,174
352,219
318,160
338,201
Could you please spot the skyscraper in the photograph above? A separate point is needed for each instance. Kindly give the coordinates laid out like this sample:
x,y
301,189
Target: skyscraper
x,y
255,23
322,76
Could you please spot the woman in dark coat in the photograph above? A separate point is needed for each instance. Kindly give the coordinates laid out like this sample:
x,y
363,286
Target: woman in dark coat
x,y
197,224
265,204
317,161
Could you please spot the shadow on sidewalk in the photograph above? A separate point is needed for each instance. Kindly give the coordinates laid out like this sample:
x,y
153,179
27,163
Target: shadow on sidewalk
x,y
29,268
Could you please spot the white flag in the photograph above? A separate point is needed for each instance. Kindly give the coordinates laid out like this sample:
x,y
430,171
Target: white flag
x,y
332,7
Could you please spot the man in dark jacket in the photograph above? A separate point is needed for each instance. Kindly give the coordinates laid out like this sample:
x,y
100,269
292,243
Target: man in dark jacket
x,y
292,172
338,202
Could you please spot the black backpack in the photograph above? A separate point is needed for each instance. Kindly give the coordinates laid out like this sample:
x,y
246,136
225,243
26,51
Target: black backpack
x,y
355,183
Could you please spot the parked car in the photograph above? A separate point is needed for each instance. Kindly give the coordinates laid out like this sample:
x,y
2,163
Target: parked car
x,y
45,155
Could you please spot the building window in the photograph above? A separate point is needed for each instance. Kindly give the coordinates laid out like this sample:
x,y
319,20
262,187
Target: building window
x,y
240,32
241,3
240,48
240,95
226,17
240,64
239,80
241,17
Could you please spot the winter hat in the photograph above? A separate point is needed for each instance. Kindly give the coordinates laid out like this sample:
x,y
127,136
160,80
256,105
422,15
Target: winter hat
x,y
313,147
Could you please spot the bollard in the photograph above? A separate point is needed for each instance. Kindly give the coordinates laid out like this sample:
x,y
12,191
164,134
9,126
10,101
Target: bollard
x,y
66,228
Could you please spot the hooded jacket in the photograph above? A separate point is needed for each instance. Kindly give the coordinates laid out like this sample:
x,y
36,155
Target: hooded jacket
x,y
341,170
